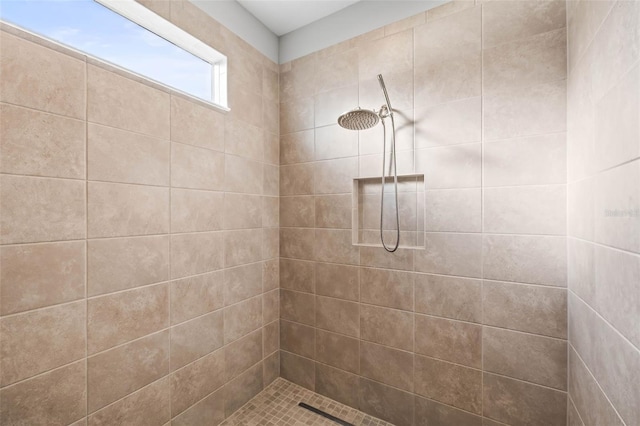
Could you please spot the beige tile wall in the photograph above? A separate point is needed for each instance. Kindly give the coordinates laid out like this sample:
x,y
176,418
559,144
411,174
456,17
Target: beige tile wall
x,y
604,212
139,231
473,329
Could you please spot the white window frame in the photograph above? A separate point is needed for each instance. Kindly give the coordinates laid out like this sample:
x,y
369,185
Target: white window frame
x,y
138,14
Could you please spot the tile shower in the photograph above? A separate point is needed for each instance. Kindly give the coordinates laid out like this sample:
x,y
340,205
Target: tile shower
x,y
162,262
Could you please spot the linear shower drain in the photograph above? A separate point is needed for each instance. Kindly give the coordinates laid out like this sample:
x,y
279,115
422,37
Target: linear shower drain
x,y
323,414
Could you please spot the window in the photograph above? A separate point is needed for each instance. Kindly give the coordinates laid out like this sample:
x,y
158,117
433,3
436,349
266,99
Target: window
x,y
128,35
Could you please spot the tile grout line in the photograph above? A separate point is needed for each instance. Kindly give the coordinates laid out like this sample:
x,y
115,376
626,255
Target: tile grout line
x,y
86,236
482,206
169,285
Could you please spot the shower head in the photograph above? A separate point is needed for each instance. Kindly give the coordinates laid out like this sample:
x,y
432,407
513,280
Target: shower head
x,y
363,119
358,119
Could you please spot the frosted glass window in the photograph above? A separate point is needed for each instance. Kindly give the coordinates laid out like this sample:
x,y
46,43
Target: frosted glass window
x,y
131,41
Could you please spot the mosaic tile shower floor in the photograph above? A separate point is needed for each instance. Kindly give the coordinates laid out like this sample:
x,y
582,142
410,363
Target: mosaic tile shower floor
x,y
278,405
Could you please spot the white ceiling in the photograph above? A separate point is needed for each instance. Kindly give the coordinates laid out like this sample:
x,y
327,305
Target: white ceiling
x,y
284,16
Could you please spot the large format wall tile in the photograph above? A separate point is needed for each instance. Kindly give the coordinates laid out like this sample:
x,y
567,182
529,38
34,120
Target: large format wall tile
x,y
240,390
340,281
242,246
116,210
386,403
244,140
529,357
528,110
41,209
337,384
117,101
122,263
297,369
533,309
449,297
242,211
116,373
393,289
451,254
121,317
242,354
196,338
242,282
337,315
429,412
148,406
453,341
208,409
334,245
335,142
38,341
195,211
242,318
386,56
296,115
196,168
333,211
539,210
386,326
537,59
298,211
297,147
243,175
57,396
196,125
297,243
37,77
448,383
533,160
196,380
506,21
338,351
451,166
387,365
297,338
194,296
451,123
119,156
509,400
40,144
189,254
529,259
297,306
39,275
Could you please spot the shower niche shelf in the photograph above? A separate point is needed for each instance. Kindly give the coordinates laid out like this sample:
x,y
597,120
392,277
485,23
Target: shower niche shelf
x,y
366,202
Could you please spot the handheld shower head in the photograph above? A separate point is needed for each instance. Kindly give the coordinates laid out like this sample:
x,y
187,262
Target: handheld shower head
x,y
358,119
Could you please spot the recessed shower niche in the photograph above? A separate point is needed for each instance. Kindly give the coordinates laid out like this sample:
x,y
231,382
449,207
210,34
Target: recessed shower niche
x,y
368,210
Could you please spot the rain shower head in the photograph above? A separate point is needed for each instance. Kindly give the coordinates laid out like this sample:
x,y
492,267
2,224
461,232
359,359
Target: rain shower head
x,y
358,119
363,119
